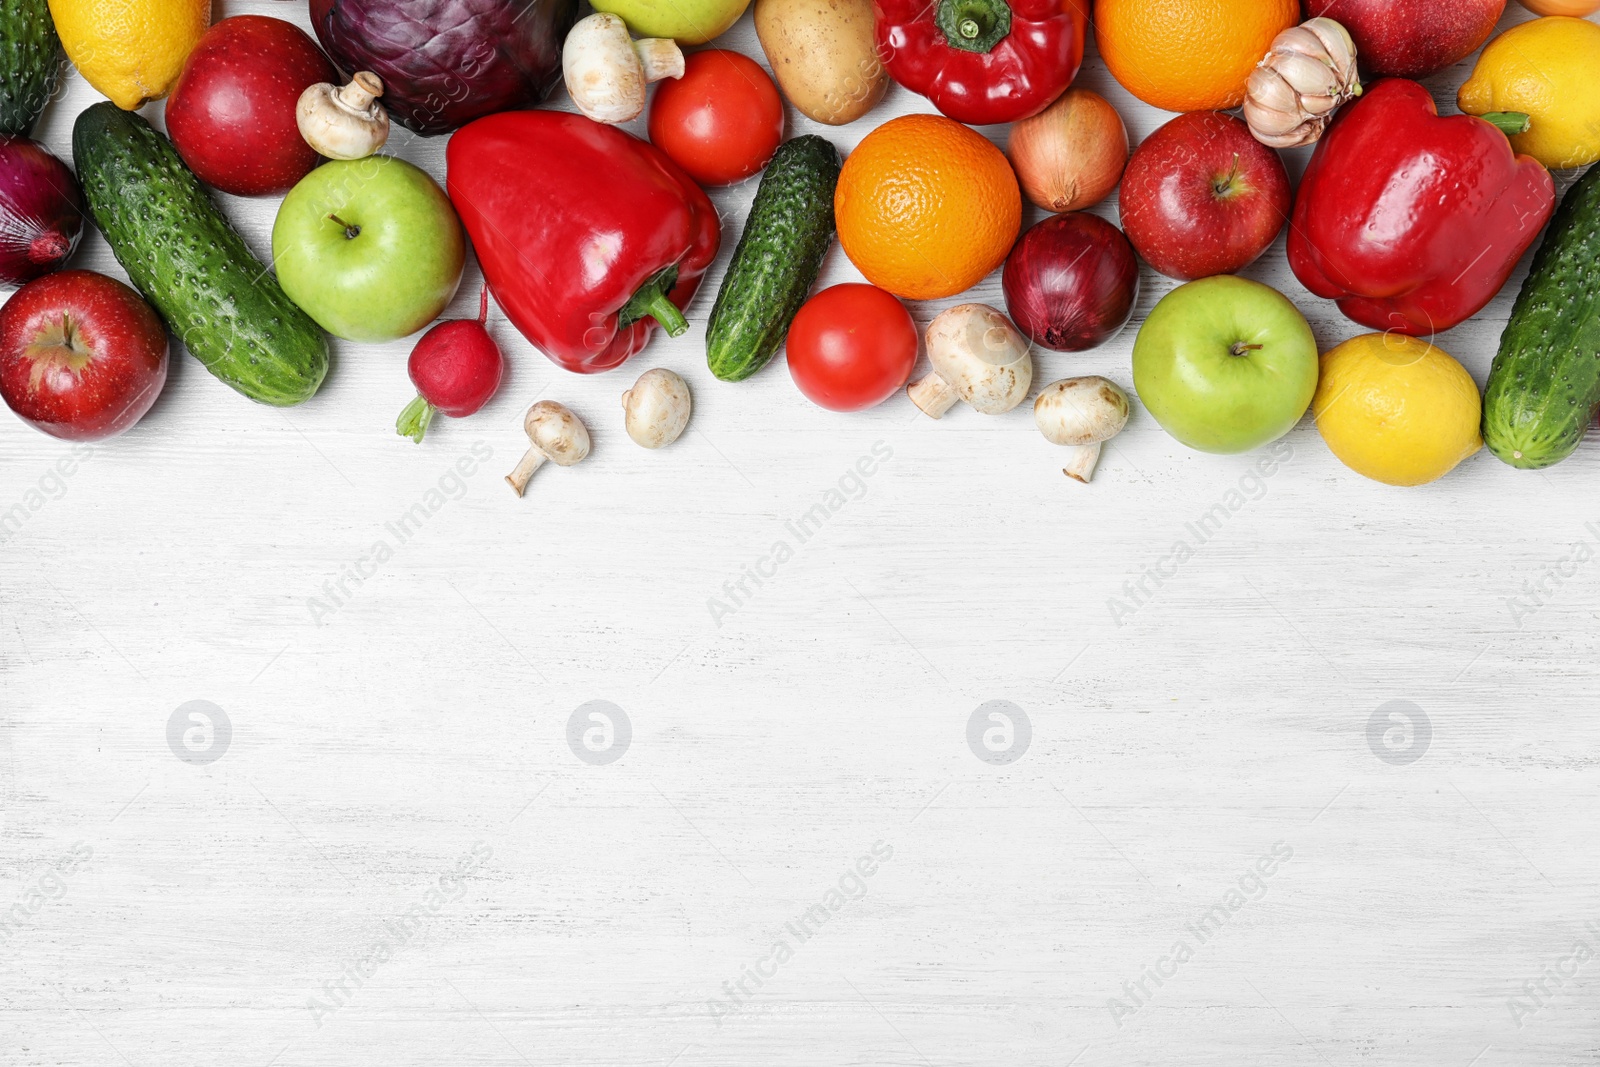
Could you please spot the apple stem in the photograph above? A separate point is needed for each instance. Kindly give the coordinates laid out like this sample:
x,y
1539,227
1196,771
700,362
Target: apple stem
x,y
1225,186
483,305
1241,348
350,232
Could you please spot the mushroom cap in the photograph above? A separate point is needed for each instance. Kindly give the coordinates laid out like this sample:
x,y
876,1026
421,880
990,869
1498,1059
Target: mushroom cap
x,y
1081,411
656,409
555,431
982,356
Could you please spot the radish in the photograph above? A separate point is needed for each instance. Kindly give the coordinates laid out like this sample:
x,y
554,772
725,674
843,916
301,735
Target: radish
x,y
456,368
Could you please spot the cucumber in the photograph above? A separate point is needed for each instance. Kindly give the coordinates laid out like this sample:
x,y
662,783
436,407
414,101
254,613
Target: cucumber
x,y
182,254
29,53
779,257
1544,386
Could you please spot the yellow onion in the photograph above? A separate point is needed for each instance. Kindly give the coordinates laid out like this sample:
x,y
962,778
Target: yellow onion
x,y
1071,154
1308,73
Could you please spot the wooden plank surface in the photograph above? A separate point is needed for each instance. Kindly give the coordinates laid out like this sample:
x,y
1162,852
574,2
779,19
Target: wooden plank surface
x,y
398,858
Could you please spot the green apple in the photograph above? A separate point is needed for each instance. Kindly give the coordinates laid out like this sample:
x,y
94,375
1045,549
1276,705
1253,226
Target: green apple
x,y
686,21
1225,364
370,248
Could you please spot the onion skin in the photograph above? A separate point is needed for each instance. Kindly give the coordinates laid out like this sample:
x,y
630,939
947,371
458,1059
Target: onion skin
x,y
1070,155
1071,282
41,212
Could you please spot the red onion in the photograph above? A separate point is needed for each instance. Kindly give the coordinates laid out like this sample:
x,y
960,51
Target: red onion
x,y
1071,282
41,211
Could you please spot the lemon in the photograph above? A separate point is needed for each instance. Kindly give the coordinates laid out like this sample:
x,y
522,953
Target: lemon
x,y
1396,409
131,50
1550,69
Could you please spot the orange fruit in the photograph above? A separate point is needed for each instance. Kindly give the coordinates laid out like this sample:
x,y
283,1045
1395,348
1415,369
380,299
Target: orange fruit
x,y
1189,55
926,207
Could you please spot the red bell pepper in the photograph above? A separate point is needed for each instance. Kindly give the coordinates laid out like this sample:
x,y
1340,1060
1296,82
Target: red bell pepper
x,y
1413,222
586,234
983,61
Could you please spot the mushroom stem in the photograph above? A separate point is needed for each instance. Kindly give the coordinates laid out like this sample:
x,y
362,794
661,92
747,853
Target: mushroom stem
x,y
659,58
932,394
531,461
357,97
1081,462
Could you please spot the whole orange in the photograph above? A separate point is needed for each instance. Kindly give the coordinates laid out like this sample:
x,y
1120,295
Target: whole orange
x,y
1189,55
926,207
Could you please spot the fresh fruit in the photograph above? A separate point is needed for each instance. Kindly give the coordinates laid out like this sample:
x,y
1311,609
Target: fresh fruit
x,y
851,347
182,254
370,248
1071,282
1225,364
686,21
81,356
1549,70
786,235
1411,220
1411,38
456,368
1070,155
41,211
823,55
926,207
589,237
231,114
1188,55
1544,387
721,121
1307,76
1201,196
1575,8
29,52
1396,409
983,62
444,63
130,50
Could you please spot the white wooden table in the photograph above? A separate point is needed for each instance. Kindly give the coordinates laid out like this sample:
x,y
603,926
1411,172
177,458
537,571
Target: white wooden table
x,y
394,856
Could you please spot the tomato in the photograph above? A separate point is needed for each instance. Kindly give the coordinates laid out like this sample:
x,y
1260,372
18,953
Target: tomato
x,y
851,347
721,121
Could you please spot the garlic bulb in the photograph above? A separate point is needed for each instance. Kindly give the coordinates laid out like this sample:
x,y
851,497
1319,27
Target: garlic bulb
x,y
1293,92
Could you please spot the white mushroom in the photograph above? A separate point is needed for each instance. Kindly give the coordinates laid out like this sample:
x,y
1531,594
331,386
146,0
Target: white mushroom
x,y
977,356
606,70
346,123
557,435
657,408
1081,413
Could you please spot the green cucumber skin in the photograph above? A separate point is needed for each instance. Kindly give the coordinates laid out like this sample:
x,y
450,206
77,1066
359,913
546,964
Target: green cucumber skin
x,y
779,256
1544,386
29,54
187,260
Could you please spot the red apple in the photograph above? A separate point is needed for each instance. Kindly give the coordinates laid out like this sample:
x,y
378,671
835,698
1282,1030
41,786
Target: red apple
x,y
1071,282
1411,38
231,114
82,357
1201,196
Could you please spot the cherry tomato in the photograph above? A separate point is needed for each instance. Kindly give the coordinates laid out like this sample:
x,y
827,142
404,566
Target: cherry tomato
x,y
851,347
721,121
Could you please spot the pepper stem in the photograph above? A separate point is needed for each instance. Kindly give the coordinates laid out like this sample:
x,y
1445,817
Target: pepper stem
x,y
1509,123
413,421
651,302
973,25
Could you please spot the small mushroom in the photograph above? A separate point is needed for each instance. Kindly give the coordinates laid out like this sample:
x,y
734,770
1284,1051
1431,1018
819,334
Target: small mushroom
x,y
977,356
606,70
346,123
657,408
557,435
1081,413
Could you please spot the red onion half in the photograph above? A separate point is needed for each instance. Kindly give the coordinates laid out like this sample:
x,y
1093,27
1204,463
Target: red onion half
x,y
41,211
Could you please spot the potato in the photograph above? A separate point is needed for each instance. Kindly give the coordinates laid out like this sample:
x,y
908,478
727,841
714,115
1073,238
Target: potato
x,y
823,55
